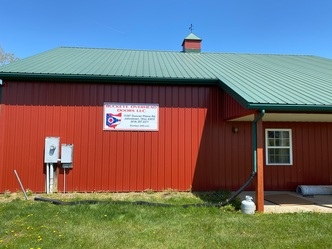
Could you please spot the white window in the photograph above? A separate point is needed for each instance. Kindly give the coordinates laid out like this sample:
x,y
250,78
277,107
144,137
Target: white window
x,y
278,144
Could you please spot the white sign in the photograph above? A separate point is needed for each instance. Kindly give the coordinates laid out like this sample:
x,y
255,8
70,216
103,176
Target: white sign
x,y
131,117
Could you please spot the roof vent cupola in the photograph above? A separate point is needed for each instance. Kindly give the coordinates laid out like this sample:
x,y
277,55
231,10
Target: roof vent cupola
x,y
191,43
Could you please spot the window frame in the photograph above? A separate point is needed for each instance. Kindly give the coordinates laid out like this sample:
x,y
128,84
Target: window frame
x,y
290,147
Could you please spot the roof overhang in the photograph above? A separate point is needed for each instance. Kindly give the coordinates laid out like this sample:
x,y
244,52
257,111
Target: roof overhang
x,y
289,108
106,78
289,117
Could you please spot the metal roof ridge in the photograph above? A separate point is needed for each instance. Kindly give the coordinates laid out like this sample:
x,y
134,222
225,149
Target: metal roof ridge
x,y
174,51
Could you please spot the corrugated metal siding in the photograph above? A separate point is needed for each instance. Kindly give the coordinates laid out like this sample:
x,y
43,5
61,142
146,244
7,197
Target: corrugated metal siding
x,y
194,148
232,109
312,160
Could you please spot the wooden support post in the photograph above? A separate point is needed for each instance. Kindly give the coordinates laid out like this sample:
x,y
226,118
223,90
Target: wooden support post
x,y
260,168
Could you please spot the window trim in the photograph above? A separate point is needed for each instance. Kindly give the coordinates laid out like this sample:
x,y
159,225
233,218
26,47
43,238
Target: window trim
x,y
290,147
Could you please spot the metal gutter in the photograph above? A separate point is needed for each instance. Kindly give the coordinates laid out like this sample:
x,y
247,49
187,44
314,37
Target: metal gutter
x,y
290,107
254,139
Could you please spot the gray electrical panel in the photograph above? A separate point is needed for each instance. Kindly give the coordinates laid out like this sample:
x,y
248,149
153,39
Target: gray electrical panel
x,y
52,149
67,153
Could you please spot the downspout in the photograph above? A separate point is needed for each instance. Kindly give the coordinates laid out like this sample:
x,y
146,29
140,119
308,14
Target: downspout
x,y
254,140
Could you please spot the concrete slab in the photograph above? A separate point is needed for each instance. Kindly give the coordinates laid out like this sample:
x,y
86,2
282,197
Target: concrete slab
x,y
321,203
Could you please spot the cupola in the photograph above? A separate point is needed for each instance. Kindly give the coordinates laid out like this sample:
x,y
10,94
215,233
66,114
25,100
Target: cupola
x,y
191,43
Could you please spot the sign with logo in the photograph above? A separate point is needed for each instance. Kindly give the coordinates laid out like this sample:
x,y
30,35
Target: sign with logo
x,y
131,117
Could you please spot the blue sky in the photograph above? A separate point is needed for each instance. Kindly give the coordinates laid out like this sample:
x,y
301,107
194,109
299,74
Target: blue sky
x,y
28,27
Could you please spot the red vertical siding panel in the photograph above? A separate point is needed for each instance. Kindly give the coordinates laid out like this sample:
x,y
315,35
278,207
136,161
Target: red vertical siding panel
x,y
140,161
329,156
141,146
112,154
235,169
102,138
329,144
182,167
133,155
147,161
154,98
2,138
206,141
98,145
124,166
34,156
203,137
214,111
307,157
324,159
168,139
188,158
297,172
246,151
6,182
312,156
320,149
161,136
228,158
2,149
232,109
116,161
70,140
168,148
90,99
317,150
195,139
154,162
85,170
175,136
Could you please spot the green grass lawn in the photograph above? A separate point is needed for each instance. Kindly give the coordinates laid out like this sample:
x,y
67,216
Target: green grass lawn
x,y
33,224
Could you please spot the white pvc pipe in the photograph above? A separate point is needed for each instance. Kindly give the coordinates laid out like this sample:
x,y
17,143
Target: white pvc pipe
x,y
47,179
51,177
64,181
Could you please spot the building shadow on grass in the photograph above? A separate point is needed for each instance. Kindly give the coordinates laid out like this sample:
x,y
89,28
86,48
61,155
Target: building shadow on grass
x,y
217,197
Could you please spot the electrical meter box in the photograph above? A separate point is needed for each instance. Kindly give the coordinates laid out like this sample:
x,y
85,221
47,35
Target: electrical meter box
x,y
51,149
67,151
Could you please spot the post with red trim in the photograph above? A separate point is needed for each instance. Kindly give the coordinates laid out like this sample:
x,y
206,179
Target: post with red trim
x,y
260,168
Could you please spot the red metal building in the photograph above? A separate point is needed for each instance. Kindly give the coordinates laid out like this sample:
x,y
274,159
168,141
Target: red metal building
x,y
206,128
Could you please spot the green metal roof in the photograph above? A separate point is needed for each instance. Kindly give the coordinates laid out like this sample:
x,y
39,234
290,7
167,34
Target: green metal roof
x,y
257,81
109,64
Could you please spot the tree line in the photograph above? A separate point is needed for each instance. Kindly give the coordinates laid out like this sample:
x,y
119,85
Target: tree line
x,y
6,57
